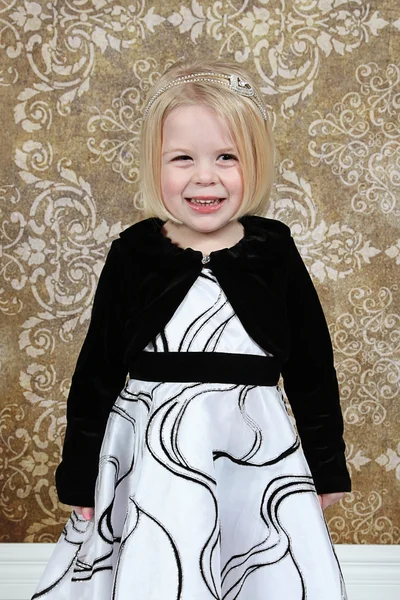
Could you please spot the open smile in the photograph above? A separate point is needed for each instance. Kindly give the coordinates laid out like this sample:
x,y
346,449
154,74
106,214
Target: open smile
x,y
205,205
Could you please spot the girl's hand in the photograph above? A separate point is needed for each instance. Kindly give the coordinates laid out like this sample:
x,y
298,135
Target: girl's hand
x,y
327,499
84,511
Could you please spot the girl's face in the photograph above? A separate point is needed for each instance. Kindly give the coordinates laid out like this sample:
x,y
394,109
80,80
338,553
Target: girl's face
x,y
200,161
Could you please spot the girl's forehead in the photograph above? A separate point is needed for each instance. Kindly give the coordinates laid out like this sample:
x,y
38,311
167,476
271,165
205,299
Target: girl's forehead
x,y
193,121
194,112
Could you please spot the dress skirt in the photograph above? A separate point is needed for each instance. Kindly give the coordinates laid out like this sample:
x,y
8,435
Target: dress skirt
x,y
203,490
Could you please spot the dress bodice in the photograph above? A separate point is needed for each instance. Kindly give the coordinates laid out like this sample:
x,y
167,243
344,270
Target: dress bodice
x,y
205,322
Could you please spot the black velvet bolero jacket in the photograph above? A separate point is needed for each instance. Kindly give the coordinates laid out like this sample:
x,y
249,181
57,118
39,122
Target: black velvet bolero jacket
x,y
144,279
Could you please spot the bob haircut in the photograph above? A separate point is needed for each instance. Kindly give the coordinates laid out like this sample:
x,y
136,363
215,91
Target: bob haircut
x,y
249,131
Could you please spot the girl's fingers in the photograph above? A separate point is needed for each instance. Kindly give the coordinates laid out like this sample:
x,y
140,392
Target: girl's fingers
x,y
329,499
83,511
87,513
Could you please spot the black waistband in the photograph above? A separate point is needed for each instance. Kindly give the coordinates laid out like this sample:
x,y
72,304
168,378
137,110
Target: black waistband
x,y
207,367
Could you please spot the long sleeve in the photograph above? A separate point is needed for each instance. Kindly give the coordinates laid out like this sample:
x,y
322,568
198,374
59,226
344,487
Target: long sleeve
x,y
98,378
310,381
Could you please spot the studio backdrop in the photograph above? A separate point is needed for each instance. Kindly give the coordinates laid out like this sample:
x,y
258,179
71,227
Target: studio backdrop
x,y
73,79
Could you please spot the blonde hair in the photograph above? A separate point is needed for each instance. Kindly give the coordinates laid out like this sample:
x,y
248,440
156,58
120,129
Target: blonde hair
x,y
250,132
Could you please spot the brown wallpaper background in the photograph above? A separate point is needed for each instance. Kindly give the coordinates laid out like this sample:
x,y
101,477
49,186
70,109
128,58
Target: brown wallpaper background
x,y
73,77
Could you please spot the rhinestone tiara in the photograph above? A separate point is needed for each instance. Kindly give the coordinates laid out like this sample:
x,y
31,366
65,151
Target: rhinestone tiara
x,y
233,82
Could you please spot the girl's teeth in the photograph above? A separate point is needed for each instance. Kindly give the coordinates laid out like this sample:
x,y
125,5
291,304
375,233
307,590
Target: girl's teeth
x,y
204,201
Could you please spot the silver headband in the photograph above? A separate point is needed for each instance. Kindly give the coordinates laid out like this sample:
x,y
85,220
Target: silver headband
x,y
233,82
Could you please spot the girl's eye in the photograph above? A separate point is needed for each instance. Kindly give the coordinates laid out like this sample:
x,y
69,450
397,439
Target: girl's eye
x,y
185,157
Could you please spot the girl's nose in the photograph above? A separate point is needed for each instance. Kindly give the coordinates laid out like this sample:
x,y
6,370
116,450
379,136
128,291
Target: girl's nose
x,y
205,174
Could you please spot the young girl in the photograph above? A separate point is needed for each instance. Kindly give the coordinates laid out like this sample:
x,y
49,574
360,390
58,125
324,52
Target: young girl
x,y
191,483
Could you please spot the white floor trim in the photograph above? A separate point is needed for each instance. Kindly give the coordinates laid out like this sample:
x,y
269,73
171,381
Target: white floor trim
x,y
370,572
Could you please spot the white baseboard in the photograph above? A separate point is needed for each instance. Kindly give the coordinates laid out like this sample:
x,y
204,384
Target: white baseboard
x,y
370,572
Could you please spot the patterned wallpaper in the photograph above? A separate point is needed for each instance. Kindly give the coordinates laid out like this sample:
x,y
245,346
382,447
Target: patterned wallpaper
x,y
73,77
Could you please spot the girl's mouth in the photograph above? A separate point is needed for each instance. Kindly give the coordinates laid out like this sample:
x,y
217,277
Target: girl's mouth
x,y
203,202
204,206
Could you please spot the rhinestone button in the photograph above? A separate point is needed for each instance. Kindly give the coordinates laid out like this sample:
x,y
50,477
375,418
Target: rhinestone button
x,y
205,260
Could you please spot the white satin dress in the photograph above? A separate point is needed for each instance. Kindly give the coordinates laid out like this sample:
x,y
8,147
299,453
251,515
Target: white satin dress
x,y
203,489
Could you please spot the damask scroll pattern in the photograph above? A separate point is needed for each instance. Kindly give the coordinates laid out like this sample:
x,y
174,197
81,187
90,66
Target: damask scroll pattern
x,y
287,41
367,343
60,40
331,250
364,520
52,256
120,124
58,248
360,140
